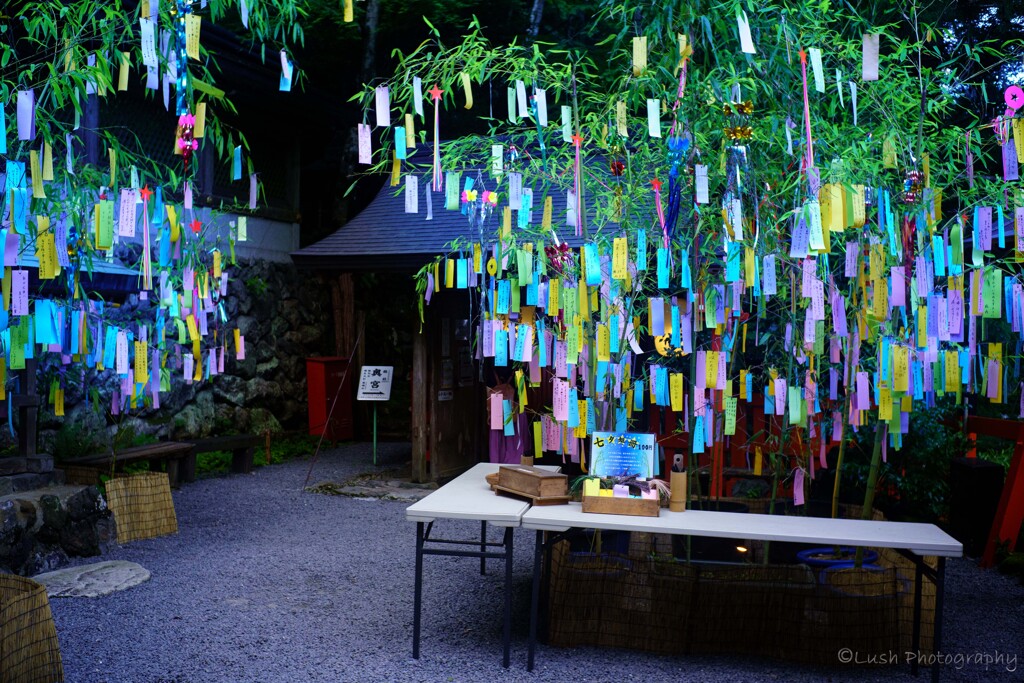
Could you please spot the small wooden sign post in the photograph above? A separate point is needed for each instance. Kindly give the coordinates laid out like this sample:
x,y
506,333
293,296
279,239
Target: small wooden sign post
x,y
375,385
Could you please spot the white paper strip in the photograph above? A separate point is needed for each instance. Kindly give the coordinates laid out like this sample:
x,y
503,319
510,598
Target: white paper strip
x,y
869,63
701,175
524,109
412,193
148,37
542,107
365,149
654,118
819,74
417,95
746,42
383,98
853,100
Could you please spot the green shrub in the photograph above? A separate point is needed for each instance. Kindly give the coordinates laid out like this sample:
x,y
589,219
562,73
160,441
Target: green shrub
x,y
73,440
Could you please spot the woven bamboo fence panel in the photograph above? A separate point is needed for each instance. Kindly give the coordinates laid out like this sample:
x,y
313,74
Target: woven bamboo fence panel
x,y
29,651
668,606
142,506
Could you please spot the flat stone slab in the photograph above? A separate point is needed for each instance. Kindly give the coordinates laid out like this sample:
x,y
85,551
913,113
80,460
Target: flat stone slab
x,y
93,580
390,489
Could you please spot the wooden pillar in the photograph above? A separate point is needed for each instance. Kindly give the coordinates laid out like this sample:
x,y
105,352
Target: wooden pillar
x,y
347,289
420,392
361,335
336,317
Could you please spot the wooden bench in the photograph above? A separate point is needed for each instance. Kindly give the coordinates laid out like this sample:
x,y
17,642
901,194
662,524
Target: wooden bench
x,y
241,446
179,459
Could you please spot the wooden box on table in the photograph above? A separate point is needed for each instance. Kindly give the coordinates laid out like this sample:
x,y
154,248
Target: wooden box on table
x,y
540,486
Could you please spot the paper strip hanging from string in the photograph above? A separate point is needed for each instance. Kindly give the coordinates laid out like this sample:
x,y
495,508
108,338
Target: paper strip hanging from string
x,y
818,70
417,95
746,41
869,57
26,114
382,99
467,89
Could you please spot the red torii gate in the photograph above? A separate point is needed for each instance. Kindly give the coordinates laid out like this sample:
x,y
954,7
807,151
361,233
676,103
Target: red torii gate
x,y
1010,513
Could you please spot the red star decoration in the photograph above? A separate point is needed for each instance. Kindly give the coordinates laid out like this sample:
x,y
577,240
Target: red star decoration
x,y
803,57
577,140
196,225
656,184
146,193
435,93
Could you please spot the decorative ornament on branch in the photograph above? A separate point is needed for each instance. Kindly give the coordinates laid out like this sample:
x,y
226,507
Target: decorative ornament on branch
x,y
186,140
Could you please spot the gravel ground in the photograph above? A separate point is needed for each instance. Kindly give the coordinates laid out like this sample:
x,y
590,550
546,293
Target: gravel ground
x,y
265,583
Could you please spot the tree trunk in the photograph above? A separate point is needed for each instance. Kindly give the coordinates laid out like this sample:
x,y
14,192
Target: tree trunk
x,y
536,12
370,24
350,149
869,494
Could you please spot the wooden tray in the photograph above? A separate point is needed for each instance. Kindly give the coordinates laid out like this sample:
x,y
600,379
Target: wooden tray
x,y
536,500
637,507
533,482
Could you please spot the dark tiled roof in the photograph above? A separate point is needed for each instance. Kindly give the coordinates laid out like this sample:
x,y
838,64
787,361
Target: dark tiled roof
x,y
383,237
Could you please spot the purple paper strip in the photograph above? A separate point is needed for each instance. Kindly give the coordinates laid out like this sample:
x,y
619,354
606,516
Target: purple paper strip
x,y
1010,160
26,114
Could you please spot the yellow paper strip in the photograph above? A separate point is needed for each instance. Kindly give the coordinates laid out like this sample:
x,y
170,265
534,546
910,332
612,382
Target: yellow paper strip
x,y
200,128
396,169
684,50
1018,138
639,54
193,23
410,132
468,90
620,118
122,72
37,175
47,162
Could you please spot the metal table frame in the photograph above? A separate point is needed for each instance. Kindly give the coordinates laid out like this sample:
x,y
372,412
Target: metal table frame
x,y
467,497
915,541
423,537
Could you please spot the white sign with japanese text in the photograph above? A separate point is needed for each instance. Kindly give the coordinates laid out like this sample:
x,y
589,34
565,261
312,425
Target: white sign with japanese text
x,y
375,383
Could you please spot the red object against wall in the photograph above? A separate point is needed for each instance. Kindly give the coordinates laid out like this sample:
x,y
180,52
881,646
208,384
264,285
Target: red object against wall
x,y
1010,513
323,377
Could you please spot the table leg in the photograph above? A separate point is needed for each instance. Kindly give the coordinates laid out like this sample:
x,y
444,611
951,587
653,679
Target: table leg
x,y
483,547
915,641
538,552
418,599
940,587
508,596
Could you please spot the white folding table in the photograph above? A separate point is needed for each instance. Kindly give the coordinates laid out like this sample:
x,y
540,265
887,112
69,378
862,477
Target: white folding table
x,y
467,497
913,540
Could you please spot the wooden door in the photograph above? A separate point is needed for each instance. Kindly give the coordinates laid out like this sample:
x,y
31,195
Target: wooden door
x,y
455,397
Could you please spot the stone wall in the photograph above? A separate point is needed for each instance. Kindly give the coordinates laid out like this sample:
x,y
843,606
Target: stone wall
x,y
39,530
284,316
